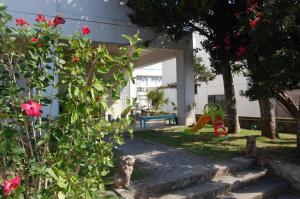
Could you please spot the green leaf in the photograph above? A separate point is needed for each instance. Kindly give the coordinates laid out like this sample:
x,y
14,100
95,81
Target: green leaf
x,y
8,132
74,117
88,195
98,86
51,173
127,37
62,183
18,151
101,187
61,195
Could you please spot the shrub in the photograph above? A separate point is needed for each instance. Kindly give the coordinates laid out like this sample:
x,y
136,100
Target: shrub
x,y
157,98
64,155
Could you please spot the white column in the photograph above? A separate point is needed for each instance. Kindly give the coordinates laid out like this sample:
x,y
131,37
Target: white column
x,y
185,87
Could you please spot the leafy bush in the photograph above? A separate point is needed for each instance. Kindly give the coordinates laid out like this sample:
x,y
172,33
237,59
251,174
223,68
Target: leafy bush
x,y
157,98
64,155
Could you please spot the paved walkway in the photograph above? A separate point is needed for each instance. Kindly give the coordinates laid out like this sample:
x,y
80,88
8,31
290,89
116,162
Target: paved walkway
x,y
170,168
164,163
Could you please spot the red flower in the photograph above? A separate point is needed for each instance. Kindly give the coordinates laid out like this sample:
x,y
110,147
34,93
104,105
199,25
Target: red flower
x,y
86,30
32,108
40,18
241,51
56,21
35,39
50,22
9,185
75,59
253,22
251,9
21,22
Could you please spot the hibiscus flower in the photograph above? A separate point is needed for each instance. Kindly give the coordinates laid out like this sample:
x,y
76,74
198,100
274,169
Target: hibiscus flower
x,y
21,22
35,39
75,59
56,21
9,185
40,18
86,30
32,108
241,51
253,22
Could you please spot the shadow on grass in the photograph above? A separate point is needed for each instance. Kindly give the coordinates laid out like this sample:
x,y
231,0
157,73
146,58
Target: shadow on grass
x,y
205,144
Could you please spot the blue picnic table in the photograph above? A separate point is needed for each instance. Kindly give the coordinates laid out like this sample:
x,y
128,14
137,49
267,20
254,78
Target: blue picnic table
x,y
170,117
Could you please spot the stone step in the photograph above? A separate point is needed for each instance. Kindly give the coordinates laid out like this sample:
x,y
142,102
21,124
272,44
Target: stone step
x,y
159,187
217,186
263,189
290,194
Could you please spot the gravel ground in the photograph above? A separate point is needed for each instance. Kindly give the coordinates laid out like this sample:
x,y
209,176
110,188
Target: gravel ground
x,y
164,163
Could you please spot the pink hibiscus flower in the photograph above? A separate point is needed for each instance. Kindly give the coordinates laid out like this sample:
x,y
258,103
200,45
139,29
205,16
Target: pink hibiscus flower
x,y
32,108
86,30
40,18
21,22
9,185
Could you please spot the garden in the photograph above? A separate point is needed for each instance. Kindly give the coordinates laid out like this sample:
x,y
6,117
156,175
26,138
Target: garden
x,y
56,140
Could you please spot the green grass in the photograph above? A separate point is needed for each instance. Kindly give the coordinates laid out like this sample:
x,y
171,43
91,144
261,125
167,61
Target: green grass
x,y
204,143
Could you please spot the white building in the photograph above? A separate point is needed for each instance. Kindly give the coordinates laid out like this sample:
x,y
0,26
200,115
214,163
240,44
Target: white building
x,y
146,78
108,20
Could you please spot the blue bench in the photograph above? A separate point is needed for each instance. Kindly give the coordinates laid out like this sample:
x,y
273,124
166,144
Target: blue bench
x,y
170,117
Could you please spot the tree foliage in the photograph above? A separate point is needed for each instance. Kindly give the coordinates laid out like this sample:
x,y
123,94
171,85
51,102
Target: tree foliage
x,y
202,73
274,53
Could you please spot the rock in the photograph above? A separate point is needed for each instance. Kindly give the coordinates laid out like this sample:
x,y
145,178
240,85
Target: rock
x,y
288,171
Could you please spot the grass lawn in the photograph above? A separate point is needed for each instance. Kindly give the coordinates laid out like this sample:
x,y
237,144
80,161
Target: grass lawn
x,y
204,143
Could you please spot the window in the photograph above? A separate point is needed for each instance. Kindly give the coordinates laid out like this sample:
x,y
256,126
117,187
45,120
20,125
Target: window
x,y
217,99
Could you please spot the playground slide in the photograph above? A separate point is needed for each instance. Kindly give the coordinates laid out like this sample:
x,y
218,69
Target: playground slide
x,y
202,121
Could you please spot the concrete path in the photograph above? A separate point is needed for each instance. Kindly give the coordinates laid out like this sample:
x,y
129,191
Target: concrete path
x,y
170,168
178,174
164,162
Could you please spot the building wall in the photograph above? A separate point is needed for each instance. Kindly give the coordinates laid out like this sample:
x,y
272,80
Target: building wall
x,y
169,76
246,108
107,19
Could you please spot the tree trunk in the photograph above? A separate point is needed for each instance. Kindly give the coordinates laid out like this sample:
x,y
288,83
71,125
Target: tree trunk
x,y
268,120
230,101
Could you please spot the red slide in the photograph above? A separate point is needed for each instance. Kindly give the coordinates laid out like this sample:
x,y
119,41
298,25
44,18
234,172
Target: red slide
x,y
219,128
